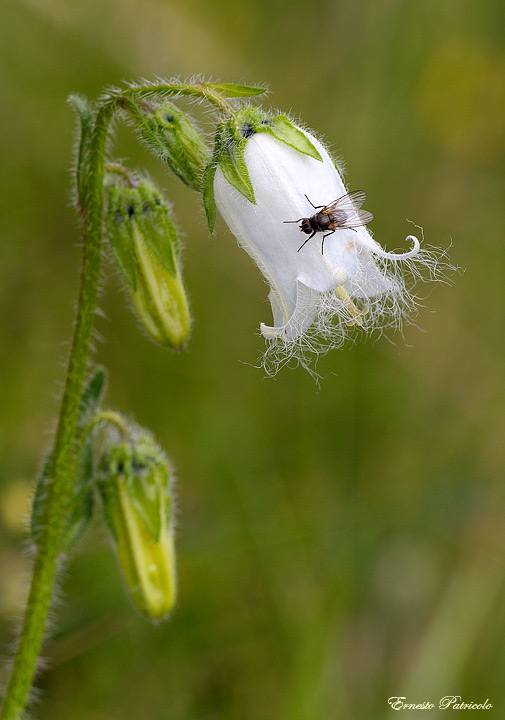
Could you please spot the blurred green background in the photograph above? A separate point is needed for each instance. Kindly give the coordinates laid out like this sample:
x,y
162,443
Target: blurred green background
x,y
337,545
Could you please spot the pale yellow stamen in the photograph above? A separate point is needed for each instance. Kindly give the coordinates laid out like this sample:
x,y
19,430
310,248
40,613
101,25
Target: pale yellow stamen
x,y
348,302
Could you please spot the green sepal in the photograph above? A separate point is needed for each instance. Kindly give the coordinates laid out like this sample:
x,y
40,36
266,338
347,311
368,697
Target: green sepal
x,y
122,206
209,200
91,397
85,114
232,163
108,493
82,497
281,128
228,154
146,493
138,475
146,499
157,227
151,485
232,90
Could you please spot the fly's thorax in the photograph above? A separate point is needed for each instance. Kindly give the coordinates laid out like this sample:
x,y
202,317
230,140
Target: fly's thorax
x,y
320,221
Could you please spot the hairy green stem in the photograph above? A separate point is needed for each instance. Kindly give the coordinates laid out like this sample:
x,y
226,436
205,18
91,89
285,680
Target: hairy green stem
x,y
195,89
59,492
111,417
122,171
60,487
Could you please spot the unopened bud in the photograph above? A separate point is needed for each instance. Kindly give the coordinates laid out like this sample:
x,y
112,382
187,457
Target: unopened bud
x,y
146,245
134,482
172,135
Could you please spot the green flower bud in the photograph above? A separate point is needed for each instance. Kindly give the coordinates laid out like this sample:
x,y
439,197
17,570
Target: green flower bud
x,y
171,135
146,245
134,483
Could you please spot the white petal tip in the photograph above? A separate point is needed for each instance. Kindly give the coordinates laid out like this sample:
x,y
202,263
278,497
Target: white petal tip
x,y
416,246
270,333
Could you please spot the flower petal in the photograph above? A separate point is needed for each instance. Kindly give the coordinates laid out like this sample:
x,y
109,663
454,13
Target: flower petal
x,y
306,309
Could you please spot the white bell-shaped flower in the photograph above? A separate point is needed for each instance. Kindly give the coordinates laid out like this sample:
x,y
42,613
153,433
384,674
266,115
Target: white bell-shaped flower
x,y
316,295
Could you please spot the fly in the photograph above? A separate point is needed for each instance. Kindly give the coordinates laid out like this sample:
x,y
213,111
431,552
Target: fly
x,y
343,213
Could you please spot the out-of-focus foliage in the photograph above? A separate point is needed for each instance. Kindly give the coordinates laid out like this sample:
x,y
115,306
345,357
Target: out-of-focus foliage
x,y
335,546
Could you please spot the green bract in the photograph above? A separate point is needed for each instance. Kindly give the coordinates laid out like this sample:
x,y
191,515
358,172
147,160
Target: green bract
x,y
85,116
134,483
232,90
231,160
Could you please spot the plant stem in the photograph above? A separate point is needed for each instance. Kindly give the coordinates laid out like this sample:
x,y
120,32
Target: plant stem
x,y
59,491
111,417
122,171
60,486
197,89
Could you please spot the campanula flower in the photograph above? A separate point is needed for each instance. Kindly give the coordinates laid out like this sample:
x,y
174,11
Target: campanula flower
x,y
317,295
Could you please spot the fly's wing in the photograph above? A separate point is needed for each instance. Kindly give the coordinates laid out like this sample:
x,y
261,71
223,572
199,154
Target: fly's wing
x,y
346,211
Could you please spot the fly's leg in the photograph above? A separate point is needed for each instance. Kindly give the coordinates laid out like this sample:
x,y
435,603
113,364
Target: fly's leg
x,y
324,238
306,241
316,207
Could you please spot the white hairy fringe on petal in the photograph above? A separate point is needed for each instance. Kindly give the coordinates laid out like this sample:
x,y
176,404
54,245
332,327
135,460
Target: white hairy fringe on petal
x,y
318,301
336,322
